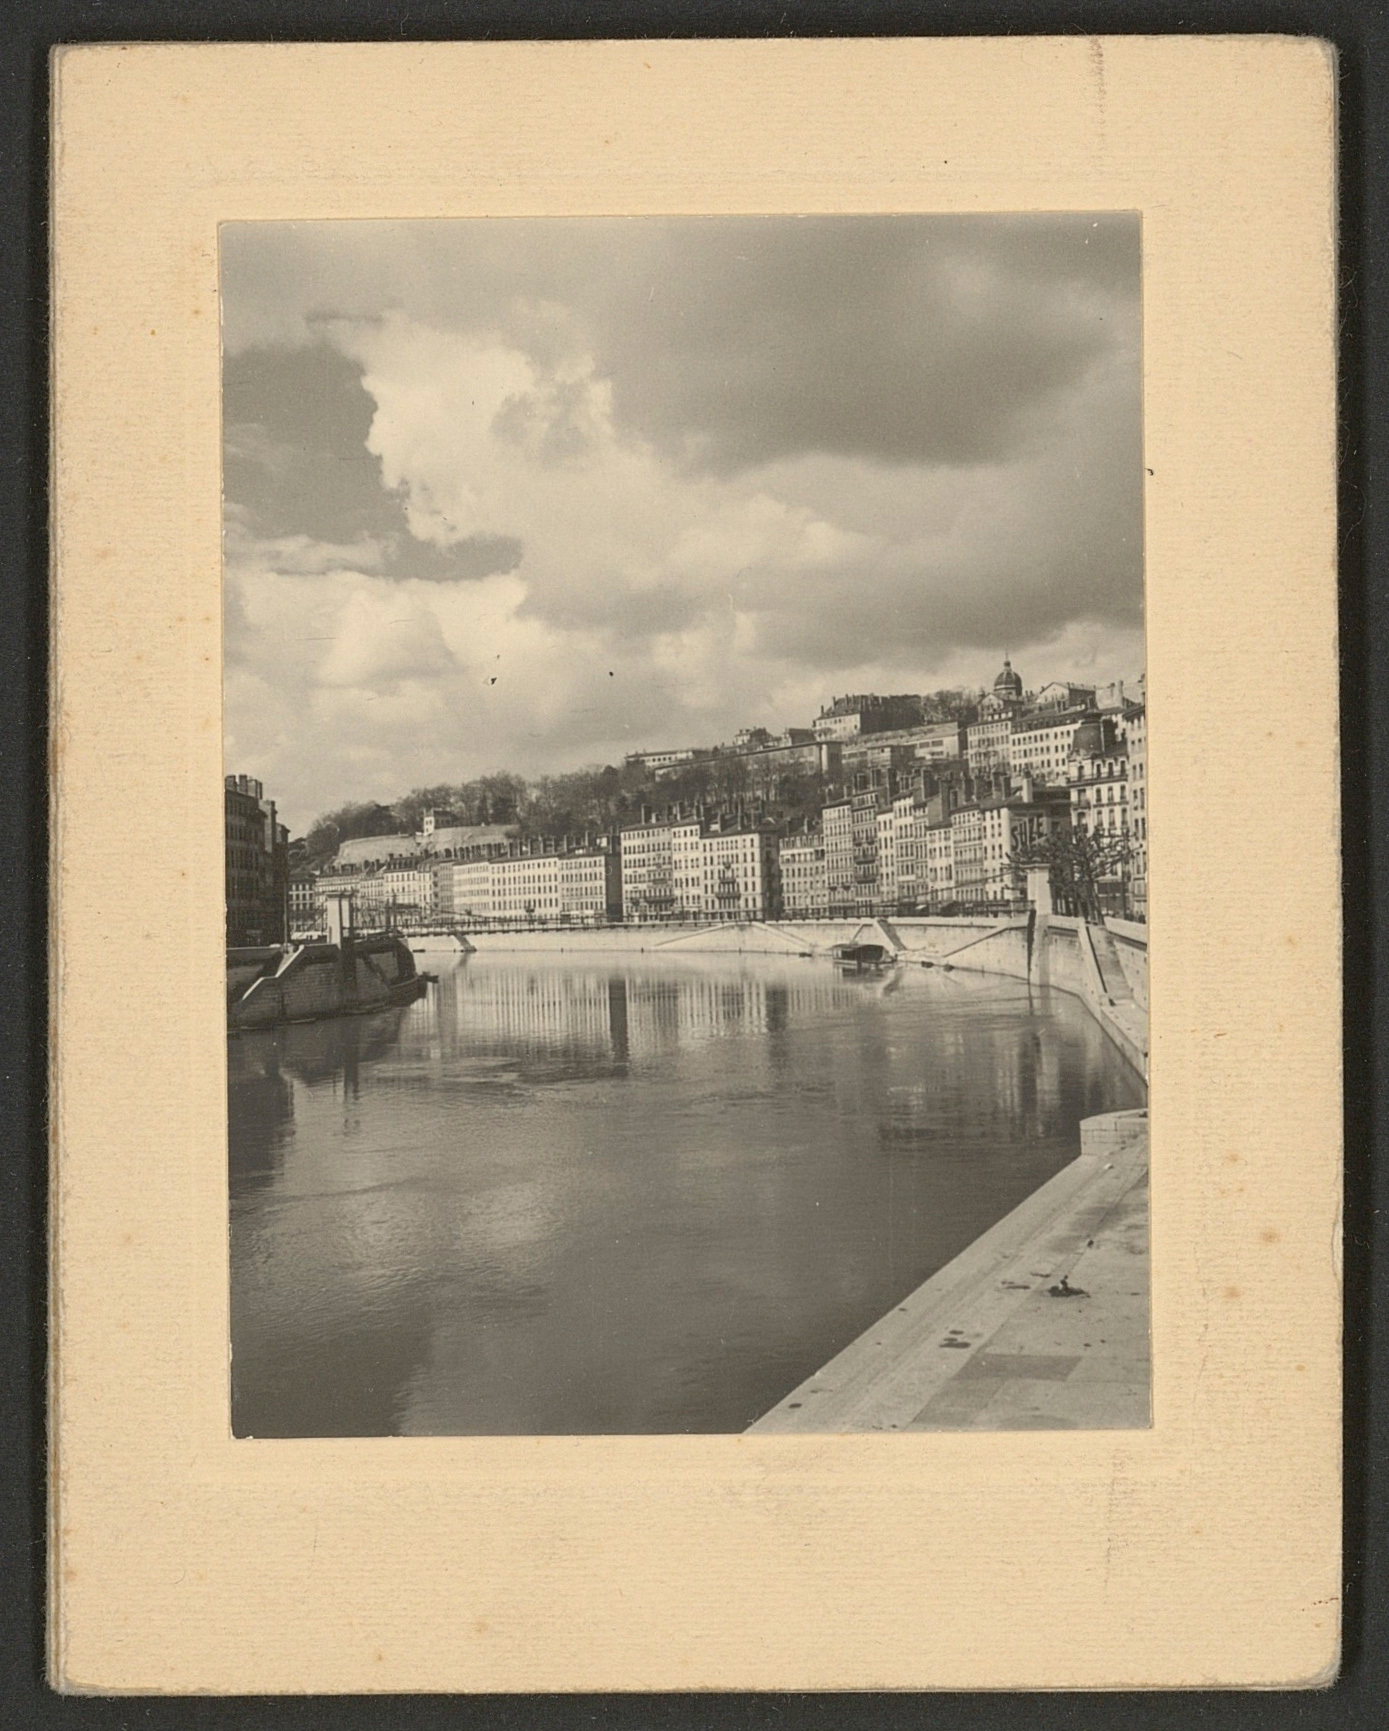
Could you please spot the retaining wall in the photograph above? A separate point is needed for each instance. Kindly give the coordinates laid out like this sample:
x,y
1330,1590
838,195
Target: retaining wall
x,y
1131,942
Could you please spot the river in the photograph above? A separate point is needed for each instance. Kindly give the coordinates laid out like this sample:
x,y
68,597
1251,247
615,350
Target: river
x,y
624,1195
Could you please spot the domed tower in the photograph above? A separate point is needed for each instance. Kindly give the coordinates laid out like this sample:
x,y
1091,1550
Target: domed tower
x,y
1008,684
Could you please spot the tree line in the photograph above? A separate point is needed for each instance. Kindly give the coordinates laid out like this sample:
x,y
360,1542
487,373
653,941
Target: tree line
x,y
595,799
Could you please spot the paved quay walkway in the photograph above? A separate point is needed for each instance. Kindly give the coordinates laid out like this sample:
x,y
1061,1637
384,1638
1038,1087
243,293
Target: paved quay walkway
x,y
1041,1324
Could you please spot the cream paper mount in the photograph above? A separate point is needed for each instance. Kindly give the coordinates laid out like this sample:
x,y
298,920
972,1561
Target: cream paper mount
x,y
1202,1552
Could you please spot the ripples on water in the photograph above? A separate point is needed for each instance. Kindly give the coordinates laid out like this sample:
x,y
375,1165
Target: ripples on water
x,y
616,1194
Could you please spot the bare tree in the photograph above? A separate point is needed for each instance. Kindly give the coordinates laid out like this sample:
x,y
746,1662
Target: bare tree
x,y
1078,861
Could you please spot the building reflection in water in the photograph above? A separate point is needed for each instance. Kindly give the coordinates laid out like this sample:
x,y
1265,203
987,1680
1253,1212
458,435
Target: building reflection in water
x,y
624,1193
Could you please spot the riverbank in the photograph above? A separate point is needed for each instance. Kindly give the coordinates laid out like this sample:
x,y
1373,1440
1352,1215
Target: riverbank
x,y
1041,1324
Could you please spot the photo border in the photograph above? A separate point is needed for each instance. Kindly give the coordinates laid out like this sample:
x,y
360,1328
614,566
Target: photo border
x,y
131,682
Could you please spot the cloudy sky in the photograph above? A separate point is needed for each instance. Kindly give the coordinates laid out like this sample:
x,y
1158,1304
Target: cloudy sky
x,y
531,494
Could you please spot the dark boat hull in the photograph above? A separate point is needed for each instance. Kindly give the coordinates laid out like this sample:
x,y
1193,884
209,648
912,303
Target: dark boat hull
x,y
268,988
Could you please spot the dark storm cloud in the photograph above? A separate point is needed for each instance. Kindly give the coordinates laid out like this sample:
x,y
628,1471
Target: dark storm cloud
x,y
909,339
296,470
1028,547
879,339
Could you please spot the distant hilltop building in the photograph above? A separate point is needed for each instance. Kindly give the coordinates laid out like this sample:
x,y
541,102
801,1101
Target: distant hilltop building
x,y
454,840
658,760
1061,694
762,739
434,819
447,841
848,717
1008,684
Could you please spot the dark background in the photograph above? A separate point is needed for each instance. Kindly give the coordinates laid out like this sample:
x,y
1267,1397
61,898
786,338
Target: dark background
x,y
1360,31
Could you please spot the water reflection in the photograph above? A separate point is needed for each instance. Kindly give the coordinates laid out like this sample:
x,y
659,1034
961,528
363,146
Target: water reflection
x,y
623,1194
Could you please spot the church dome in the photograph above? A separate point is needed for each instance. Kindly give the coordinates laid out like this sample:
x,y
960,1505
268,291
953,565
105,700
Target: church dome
x,y
1008,684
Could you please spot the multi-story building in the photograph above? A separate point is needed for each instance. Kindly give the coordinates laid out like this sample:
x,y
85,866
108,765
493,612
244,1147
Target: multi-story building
x,y
879,756
769,768
1135,729
1040,742
940,865
941,740
305,902
987,744
972,841
740,873
590,884
648,871
804,891
370,899
1062,694
659,760
1099,781
463,889
988,740
336,881
885,883
866,712
1100,777
545,887
408,887
990,835
925,850
762,739
837,830
865,806
257,865
902,857
687,866
437,819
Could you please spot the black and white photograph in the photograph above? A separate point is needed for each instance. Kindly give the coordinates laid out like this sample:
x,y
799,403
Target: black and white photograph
x,y
686,825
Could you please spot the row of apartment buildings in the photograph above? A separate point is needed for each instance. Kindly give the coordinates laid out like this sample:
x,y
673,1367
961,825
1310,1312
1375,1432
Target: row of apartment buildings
x,y
931,817
947,840
859,730
686,865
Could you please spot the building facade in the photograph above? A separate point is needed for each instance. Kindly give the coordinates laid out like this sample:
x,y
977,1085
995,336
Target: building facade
x,y
740,874
988,839
865,807
1101,806
837,831
866,712
804,890
648,871
305,902
1040,743
544,888
941,740
1136,739
940,865
257,865
988,742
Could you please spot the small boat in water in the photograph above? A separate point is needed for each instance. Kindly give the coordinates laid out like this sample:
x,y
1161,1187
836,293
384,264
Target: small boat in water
x,y
861,957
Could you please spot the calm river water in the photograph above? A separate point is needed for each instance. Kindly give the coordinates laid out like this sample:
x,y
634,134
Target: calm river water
x,y
616,1194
